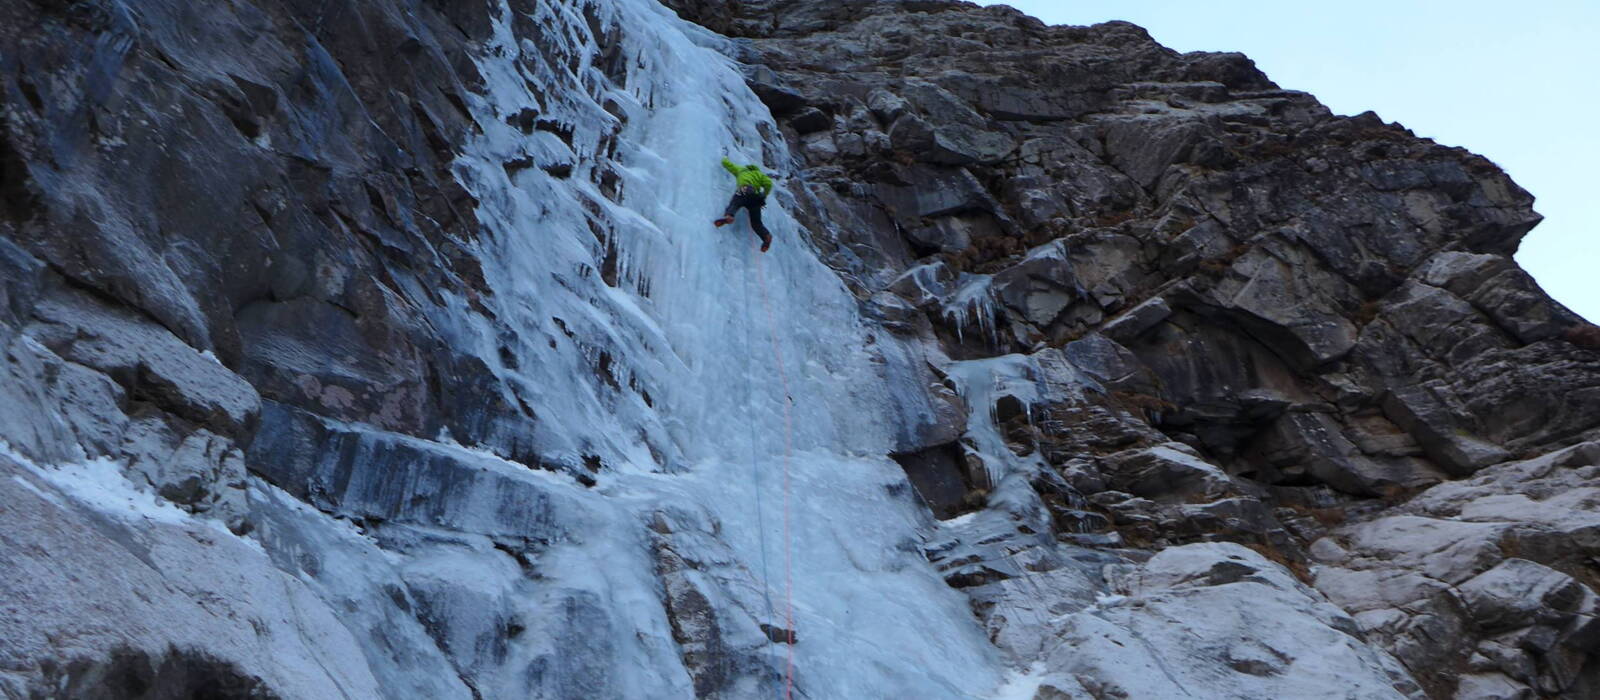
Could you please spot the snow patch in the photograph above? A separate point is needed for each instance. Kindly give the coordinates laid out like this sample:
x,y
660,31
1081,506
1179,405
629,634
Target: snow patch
x,y
99,484
1021,685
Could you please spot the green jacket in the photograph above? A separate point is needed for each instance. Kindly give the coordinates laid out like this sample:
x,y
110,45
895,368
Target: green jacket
x,y
750,176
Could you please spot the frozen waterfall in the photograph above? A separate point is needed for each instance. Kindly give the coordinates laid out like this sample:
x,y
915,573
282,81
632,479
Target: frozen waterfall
x,y
686,408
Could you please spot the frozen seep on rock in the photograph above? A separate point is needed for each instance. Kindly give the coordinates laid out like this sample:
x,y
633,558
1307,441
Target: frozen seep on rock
x,y
386,350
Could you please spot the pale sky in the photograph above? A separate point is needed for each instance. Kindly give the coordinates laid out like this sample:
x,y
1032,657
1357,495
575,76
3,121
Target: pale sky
x,y
1514,81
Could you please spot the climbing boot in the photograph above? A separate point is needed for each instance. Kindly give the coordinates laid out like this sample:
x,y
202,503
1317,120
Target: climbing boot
x,y
766,242
724,221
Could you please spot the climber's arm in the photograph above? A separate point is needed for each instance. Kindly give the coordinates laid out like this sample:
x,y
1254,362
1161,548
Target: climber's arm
x,y
730,167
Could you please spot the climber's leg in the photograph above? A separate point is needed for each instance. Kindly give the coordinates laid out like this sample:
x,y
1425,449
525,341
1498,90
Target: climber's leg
x,y
754,207
727,214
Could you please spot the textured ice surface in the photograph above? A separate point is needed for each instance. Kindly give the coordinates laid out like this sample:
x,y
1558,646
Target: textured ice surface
x,y
698,321
714,425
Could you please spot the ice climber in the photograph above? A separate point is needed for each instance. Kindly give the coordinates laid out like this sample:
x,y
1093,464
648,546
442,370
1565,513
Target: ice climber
x,y
753,188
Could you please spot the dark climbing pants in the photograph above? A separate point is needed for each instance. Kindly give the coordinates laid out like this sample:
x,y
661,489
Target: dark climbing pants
x,y
751,201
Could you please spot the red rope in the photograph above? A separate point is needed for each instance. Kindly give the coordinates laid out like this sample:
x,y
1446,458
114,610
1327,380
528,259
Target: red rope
x,y
788,452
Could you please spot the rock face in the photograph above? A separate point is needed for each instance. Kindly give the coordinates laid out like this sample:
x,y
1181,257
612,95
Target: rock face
x,y
214,218
1470,580
1318,299
1142,641
373,350
1291,319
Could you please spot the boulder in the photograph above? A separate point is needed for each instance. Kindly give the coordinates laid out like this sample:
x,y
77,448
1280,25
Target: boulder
x,y
887,106
1169,472
1279,297
1130,324
1518,593
1041,287
769,87
955,233
1144,147
1302,444
149,362
1491,687
929,193
914,135
1420,411
810,120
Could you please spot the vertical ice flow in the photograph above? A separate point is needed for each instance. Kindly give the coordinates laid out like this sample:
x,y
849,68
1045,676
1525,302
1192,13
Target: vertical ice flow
x,y
644,346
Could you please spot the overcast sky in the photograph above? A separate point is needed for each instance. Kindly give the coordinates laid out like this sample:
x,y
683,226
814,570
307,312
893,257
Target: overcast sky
x,y
1514,81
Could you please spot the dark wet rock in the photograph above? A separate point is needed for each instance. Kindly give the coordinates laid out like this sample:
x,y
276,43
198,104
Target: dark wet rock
x,y
284,181
941,478
810,120
134,673
1165,471
780,635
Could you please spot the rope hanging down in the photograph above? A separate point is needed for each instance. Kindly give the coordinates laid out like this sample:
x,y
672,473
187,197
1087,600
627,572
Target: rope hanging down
x,y
755,462
788,453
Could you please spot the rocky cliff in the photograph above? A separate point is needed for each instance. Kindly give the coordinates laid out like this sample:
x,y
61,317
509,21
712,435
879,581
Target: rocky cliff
x,y
1297,321
383,350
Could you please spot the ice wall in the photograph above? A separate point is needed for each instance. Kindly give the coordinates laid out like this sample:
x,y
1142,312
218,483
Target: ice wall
x,y
648,345
708,464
